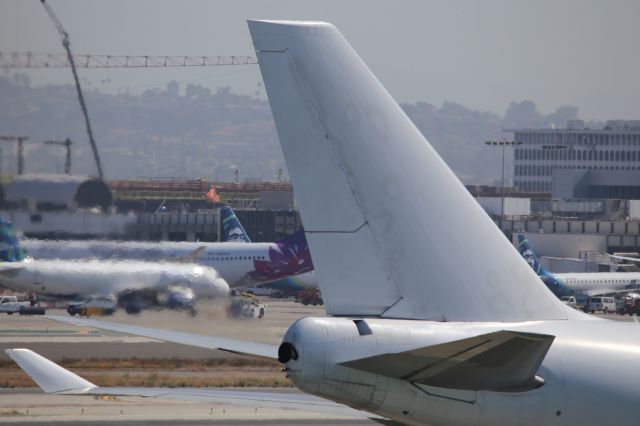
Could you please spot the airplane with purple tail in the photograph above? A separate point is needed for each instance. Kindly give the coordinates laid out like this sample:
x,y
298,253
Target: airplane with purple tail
x,y
239,261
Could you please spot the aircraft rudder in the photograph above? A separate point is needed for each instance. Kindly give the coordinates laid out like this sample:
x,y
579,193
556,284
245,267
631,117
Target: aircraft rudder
x,y
232,229
10,249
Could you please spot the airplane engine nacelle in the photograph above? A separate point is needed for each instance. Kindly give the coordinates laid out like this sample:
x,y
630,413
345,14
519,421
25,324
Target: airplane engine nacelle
x,y
312,364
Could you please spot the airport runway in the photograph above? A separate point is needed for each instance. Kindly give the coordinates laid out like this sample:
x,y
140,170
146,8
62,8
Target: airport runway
x,y
19,406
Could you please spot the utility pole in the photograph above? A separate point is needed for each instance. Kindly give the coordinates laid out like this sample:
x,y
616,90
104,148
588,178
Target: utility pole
x,y
21,140
503,145
67,144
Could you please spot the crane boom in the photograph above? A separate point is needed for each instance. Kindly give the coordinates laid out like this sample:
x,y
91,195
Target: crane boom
x,y
83,106
12,60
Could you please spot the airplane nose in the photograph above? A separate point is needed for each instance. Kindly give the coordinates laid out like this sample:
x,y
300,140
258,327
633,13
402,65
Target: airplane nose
x,y
287,352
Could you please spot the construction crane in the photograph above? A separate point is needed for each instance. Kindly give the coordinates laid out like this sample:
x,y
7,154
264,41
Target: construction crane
x,y
21,140
11,60
83,106
67,144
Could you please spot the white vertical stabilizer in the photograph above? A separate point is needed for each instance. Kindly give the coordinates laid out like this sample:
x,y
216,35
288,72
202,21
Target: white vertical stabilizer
x,y
391,229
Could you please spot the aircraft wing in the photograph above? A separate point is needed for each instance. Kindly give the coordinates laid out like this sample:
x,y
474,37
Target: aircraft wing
x,y
55,379
256,350
631,259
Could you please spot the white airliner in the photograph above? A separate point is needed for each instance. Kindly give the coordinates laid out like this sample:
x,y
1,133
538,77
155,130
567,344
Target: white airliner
x,y
435,318
581,284
140,275
238,260
133,285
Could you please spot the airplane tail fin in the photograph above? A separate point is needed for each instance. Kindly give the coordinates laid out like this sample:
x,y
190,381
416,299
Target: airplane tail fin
x,y
292,257
232,229
530,256
392,230
10,250
556,285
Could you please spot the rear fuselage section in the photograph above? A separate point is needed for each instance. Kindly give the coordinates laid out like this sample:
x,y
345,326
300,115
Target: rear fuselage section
x,y
591,365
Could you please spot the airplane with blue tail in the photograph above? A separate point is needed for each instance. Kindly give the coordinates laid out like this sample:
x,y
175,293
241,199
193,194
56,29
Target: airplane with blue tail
x,y
579,283
231,228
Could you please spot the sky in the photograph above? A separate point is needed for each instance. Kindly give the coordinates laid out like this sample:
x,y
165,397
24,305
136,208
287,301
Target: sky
x,y
482,54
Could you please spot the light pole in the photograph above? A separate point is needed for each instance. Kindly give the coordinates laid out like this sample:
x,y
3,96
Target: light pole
x,y
503,145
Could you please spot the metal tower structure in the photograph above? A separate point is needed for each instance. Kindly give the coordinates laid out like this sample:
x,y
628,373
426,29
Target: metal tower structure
x,y
21,140
67,144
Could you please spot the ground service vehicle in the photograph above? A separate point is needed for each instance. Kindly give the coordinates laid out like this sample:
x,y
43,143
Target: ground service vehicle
x,y
245,306
631,304
309,296
569,301
11,305
94,306
603,304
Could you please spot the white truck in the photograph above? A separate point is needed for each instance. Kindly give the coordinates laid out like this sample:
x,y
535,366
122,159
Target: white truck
x,y
11,305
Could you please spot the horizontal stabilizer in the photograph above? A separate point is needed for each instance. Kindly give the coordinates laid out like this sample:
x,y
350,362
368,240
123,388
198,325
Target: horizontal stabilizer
x,y
505,361
256,350
48,375
52,378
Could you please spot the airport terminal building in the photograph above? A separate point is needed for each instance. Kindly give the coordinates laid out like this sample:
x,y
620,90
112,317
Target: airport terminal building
x,y
611,153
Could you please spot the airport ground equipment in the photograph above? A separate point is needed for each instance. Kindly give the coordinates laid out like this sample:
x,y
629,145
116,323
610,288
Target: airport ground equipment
x,y
309,296
11,305
67,46
246,305
630,305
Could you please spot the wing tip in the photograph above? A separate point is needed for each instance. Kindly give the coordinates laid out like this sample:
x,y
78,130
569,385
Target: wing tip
x,y
50,377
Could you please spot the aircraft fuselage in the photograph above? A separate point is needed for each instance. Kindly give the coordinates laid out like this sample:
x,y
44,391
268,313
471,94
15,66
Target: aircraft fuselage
x,y
69,279
589,373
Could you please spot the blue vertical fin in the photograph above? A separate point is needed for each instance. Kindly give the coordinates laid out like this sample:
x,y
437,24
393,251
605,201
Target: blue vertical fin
x,y
232,229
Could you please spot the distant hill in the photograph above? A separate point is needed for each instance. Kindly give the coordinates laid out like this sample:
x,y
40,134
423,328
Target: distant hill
x,y
198,132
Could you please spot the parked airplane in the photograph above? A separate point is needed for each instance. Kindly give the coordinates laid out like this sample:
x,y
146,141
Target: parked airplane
x,y
579,283
239,261
426,325
133,285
